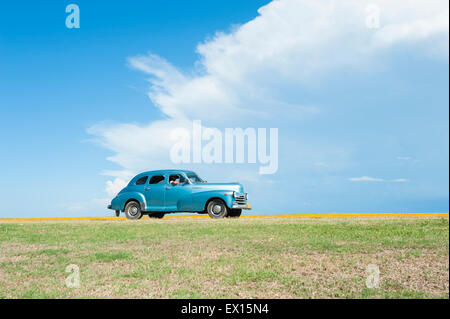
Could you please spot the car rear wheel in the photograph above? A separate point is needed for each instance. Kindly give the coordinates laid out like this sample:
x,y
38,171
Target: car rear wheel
x,y
133,210
156,215
217,209
235,213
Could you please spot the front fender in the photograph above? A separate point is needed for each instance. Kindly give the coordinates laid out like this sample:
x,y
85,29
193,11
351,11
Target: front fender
x,y
200,199
118,203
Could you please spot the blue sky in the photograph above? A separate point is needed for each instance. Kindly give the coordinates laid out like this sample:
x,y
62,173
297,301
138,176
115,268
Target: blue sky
x,y
362,113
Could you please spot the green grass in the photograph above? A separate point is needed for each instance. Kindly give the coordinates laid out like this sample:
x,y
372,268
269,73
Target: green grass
x,y
203,258
111,256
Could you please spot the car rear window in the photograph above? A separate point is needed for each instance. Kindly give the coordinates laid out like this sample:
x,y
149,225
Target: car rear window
x,y
157,179
142,180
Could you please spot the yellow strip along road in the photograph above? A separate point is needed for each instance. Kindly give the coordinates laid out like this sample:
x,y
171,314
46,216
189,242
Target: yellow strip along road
x,y
244,216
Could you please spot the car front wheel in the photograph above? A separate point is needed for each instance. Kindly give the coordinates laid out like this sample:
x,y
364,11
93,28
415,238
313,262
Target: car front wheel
x,y
217,209
133,210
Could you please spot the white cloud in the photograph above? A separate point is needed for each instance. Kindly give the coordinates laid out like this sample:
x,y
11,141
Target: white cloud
x,y
376,179
404,158
365,179
291,41
113,187
399,180
240,74
408,159
321,164
138,146
426,19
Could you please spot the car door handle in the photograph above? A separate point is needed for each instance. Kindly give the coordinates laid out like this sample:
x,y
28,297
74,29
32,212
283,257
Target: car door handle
x,y
167,187
147,188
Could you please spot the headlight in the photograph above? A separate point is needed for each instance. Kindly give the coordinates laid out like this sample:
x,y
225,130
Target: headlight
x,y
246,196
234,194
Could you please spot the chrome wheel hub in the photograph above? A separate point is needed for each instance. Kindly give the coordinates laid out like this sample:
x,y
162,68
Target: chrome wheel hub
x,y
217,209
133,210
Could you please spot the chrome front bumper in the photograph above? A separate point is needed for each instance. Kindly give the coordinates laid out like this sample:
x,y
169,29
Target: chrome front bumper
x,y
241,206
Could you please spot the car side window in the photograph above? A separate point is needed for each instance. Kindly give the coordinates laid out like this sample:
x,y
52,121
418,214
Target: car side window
x,y
176,179
157,179
142,180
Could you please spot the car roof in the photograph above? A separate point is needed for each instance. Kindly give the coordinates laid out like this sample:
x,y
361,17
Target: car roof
x,y
163,171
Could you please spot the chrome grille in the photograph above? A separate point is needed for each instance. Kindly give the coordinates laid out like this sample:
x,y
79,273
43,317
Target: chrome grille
x,y
240,199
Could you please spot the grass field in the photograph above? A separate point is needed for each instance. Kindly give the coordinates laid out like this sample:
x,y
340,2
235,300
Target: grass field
x,y
239,258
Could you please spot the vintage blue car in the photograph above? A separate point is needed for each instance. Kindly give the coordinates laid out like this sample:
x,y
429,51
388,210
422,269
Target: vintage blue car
x,y
156,193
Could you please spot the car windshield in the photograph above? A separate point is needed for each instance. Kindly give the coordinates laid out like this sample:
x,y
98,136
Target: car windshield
x,y
194,178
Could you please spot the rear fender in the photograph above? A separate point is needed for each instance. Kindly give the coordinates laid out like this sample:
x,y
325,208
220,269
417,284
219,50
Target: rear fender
x,y
122,199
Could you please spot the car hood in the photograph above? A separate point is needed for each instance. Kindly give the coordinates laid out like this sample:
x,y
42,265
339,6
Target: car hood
x,y
218,186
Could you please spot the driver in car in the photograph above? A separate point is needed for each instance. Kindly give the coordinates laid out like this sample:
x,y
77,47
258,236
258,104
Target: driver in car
x,y
174,180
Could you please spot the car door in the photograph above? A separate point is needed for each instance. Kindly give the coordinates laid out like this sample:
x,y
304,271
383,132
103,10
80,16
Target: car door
x,y
155,192
178,197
